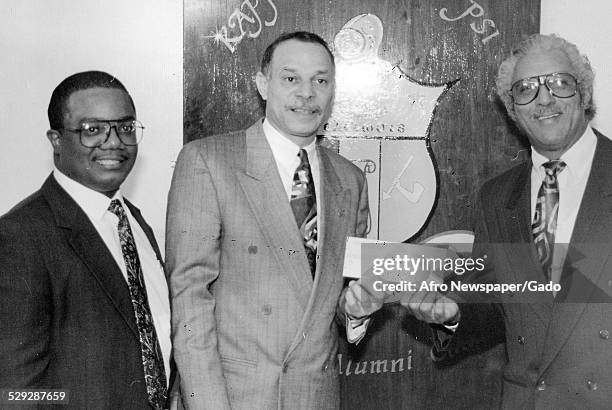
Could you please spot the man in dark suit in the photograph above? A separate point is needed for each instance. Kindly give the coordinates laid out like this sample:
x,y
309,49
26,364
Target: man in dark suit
x,y
83,299
256,230
544,222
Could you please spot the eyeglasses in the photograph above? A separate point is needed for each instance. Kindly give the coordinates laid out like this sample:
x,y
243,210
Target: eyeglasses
x,y
95,133
560,85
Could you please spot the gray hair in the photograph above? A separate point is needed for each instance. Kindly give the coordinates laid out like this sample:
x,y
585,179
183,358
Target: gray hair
x,y
540,42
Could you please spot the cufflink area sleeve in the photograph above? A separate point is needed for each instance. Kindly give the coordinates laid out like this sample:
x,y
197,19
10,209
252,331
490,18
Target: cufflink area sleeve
x,y
356,328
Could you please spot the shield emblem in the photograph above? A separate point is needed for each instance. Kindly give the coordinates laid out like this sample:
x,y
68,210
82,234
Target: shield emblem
x,y
380,120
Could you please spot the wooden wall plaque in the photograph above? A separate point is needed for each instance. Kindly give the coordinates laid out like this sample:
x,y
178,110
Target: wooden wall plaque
x,y
457,44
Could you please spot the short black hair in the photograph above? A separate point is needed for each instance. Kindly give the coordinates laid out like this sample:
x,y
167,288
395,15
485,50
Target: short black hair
x,y
303,36
76,82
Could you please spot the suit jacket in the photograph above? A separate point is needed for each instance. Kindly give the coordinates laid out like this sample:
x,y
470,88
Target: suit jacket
x,y
559,348
251,329
65,308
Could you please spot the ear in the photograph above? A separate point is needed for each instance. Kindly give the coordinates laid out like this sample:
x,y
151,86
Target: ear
x,y
54,138
262,85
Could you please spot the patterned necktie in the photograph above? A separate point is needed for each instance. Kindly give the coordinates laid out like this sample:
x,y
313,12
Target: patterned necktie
x,y
152,361
304,205
545,217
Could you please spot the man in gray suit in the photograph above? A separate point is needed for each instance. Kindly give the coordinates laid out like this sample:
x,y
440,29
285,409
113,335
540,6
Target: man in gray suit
x,y
256,230
545,221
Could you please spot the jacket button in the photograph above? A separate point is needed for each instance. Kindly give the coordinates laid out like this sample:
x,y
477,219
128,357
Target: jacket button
x,y
604,334
266,309
521,340
285,367
304,335
591,385
541,385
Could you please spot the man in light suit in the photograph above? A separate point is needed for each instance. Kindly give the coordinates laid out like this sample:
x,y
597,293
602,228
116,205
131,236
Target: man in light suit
x,y
84,303
545,221
257,224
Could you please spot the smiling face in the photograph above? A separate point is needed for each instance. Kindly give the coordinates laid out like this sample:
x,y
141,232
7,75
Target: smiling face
x,y
298,89
103,168
552,124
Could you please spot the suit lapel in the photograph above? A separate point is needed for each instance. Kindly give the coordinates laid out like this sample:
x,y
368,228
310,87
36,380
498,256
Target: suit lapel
x,y
267,198
332,227
519,231
146,229
91,249
332,234
588,252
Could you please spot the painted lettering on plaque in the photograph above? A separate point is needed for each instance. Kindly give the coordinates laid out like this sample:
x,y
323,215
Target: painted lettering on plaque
x,y
481,27
244,21
347,367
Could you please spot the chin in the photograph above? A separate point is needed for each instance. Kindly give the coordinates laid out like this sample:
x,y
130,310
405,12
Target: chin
x,y
305,128
305,131
108,184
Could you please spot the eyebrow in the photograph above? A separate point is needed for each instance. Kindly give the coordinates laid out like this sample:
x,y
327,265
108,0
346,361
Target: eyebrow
x,y
125,118
292,70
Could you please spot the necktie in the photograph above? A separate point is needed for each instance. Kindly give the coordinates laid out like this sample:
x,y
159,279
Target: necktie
x,y
545,217
304,205
152,361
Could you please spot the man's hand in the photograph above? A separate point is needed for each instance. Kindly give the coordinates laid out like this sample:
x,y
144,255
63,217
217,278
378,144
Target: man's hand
x,y
359,301
431,307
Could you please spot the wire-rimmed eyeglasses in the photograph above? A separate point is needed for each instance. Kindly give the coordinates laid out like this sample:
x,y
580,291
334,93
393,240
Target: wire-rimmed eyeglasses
x,y
95,133
560,85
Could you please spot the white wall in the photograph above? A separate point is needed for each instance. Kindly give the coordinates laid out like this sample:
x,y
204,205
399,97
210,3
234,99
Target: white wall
x,y
585,23
44,41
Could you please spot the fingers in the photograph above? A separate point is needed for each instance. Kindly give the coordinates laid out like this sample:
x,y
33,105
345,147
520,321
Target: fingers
x,y
359,301
421,304
431,307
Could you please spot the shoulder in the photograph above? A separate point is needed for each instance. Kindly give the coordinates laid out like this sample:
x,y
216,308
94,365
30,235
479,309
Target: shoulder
x,y
341,165
223,145
501,186
604,146
601,136
28,218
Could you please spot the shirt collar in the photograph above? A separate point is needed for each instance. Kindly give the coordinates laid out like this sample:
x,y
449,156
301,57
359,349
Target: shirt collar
x,y
283,147
93,203
576,158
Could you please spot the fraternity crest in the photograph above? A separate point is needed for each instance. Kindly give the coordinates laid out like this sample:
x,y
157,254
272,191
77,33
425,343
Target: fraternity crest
x,y
380,121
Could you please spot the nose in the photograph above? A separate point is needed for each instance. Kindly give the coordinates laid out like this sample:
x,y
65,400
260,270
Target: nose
x,y
112,140
545,96
305,90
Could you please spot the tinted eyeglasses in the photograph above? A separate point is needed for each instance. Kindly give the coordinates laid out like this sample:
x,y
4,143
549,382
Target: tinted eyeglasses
x,y
560,85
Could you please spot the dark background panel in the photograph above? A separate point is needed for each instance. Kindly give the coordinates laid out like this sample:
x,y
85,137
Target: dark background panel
x,y
473,382
471,140
470,135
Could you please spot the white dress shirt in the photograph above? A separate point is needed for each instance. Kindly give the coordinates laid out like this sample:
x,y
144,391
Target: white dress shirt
x,y
95,205
285,154
572,183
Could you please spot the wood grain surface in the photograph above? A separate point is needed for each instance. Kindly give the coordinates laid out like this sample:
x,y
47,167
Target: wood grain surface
x,y
471,140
